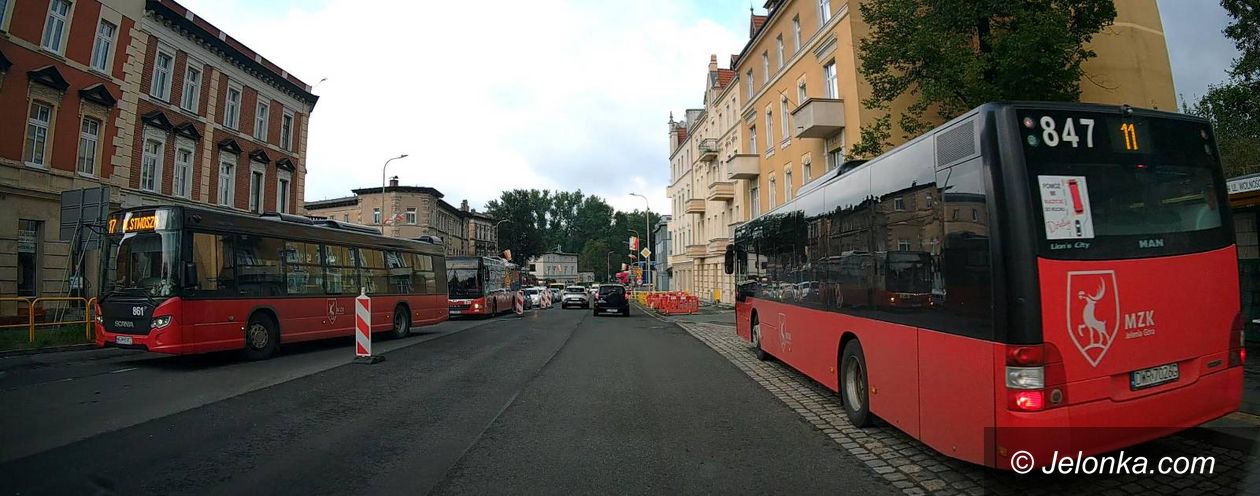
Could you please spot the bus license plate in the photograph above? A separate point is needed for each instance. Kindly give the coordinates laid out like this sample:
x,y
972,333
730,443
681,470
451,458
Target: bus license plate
x,y
1153,376
456,312
122,339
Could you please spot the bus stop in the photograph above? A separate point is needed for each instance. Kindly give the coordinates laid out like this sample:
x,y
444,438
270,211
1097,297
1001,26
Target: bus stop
x,y
1244,201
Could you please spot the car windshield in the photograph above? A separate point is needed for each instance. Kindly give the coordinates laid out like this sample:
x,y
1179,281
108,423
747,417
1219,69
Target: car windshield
x,y
606,290
143,264
463,283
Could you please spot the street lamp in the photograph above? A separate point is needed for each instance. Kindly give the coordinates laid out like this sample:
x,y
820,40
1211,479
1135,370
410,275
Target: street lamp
x,y
496,234
607,273
383,167
647,219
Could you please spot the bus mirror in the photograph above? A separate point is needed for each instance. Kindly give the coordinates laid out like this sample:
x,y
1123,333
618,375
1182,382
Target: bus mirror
x,y
729,260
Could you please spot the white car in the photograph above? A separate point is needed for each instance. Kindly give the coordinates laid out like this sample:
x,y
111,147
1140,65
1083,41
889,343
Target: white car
x,y
575,296
534,295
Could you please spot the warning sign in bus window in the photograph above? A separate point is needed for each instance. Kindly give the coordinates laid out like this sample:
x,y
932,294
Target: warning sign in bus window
x,y
1065,205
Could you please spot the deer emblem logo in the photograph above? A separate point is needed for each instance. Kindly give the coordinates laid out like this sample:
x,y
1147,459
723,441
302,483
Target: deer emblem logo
x,y
1094,314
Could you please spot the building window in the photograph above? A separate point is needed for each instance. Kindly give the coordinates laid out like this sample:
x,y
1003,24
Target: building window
x,y
376,216
829,81
787,184
28,238
260,121
779,45
192,89
89,138
345,217
151,164
774,197
903,245
975,215
103,47
752,138
899,203
55,27
256,178
4,9
183,172
749,77
232,110
162,65
835,151
286,131
801,94
37,133
796,34
769,131
411,216
783,119
808,169
765,66
227,179
282,195
824,12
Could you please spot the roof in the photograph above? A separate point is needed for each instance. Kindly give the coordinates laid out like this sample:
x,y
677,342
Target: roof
x,y
186,21
376,190
344,201
755,25
724,77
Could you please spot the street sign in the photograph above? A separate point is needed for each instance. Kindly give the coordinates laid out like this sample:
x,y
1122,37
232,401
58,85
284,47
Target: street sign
x,y
646,253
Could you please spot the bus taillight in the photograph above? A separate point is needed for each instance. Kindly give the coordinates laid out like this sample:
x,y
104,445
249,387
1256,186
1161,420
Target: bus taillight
x,y
1026,386
1237,350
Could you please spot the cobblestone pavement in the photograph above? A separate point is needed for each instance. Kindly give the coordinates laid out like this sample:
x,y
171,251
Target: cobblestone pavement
x,y
917,469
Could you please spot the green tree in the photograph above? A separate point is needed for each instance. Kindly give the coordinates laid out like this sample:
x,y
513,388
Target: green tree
x,y
950,56
1234,106
593,257
525,233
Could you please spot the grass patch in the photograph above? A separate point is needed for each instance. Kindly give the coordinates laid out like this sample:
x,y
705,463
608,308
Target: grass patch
x,y
17,338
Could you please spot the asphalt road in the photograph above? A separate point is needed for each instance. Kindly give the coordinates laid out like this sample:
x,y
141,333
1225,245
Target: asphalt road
x,y
556,402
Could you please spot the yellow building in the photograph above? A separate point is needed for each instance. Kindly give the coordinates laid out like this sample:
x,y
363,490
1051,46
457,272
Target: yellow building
x,y
802,93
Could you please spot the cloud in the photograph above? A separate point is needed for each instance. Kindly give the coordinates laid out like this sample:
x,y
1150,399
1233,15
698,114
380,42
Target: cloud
x,y
1200,53
489,95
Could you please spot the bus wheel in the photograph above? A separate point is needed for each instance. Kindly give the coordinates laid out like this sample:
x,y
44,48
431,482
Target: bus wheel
x,y
262,336
756,341
402,323
853,384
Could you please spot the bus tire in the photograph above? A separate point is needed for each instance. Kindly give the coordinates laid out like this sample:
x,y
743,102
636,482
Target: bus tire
x,y
262,337
402,323
755,334
853,384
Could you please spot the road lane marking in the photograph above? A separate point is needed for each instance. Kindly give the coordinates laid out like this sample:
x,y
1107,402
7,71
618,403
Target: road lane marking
x,y
119,371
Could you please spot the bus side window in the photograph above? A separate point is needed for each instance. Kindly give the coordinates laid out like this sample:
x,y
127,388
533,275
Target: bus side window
x,y
964,278
303,273
341,275
258,271
215,274
372,272
423,278
399,266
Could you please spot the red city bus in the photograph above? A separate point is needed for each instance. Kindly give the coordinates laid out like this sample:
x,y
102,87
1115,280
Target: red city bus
x,y
1080,267
183,279
481,285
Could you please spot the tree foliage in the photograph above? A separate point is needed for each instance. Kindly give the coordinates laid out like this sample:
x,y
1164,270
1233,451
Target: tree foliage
x,y
1234,106
540,221
949,56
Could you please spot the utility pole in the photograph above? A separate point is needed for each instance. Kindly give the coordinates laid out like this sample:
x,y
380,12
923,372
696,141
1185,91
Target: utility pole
x,y
647,231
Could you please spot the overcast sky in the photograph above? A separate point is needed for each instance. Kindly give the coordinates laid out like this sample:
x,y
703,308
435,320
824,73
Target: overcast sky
x,y
561,94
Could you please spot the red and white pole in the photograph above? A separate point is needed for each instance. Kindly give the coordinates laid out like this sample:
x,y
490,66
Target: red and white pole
x,y
519,304
363,330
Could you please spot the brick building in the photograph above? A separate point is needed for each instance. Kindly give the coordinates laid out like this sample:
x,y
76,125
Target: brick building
x,y
411,212
145,98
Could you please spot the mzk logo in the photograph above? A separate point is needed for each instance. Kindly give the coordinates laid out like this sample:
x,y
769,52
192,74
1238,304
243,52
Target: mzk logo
x,y
1094,317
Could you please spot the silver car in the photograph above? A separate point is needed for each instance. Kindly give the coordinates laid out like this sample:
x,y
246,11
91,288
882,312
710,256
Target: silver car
x,y
575,296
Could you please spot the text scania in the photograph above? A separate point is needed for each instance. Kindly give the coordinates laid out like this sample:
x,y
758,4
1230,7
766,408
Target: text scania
x,y
1121,463
1139,324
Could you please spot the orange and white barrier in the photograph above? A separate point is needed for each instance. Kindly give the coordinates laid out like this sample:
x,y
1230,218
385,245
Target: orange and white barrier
x,y
363,330
519,304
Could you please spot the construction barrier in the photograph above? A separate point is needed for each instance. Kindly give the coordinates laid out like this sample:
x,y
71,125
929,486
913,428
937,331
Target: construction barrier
x,y
363,330
519,304
36,314
669,302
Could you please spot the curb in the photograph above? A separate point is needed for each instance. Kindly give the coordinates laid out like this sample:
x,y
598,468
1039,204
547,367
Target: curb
x,y
47,349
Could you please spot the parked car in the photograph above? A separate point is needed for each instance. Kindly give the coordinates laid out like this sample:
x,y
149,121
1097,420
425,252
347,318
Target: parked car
x,y
611,298
533,296
575,296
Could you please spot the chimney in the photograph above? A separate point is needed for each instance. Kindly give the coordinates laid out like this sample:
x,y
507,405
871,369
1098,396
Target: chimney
x,y
393,182
713,67
463,205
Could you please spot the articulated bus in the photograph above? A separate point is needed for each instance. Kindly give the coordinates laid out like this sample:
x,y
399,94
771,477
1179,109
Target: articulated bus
x,y
182,280
481,285
1079,269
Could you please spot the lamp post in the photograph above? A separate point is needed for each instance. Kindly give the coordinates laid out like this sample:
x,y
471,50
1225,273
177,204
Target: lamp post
x,y
496,234
607,273
383,168
647,220
633,254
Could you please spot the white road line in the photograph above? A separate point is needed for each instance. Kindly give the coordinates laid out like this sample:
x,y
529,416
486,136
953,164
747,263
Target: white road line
x,y
119,371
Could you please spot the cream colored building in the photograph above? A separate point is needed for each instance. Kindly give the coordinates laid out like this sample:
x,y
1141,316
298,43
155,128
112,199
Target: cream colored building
x,y
410,212
802,93
707,200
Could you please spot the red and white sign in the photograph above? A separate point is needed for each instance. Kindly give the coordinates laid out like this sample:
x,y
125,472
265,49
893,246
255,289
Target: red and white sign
x,y
634,243
519,304
1093,312
363,325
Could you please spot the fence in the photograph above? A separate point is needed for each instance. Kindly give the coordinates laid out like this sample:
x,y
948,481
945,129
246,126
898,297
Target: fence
x,y
668,302
45,312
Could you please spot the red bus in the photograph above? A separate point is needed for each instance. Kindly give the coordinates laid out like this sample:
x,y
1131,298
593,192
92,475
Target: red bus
x,y
1081,270
481,285
183,279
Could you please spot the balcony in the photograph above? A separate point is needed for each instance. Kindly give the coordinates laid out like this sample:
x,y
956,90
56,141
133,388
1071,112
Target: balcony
x,y
819,117
717,246
708,149
696,251
743,166
694,206
721,191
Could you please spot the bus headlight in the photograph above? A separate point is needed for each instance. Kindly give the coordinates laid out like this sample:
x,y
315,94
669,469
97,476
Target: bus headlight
x,y
160,322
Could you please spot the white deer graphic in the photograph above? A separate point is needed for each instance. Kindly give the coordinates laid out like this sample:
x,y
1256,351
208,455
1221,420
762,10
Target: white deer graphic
x,y
1096,329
